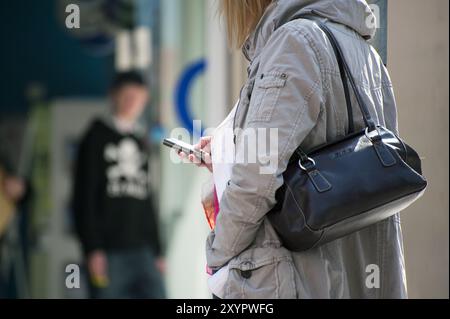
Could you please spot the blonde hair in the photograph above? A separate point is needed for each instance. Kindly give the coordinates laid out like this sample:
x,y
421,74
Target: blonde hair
x,y
241,17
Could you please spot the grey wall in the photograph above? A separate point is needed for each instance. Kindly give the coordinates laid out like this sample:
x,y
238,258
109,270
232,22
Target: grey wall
x,y
418,58
380,40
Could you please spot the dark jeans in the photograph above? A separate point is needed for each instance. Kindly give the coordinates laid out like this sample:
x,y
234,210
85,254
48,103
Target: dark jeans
x,y
132,275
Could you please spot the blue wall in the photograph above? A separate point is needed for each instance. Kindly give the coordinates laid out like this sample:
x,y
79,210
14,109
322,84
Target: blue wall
x,y
36,48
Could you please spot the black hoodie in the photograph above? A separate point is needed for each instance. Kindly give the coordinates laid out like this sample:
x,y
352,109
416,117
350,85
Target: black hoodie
x,y
112,202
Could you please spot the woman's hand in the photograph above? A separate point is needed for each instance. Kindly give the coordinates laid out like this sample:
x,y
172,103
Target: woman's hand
x,y
204,145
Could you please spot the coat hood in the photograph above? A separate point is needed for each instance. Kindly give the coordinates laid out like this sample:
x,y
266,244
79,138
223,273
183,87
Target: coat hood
x,y
353,13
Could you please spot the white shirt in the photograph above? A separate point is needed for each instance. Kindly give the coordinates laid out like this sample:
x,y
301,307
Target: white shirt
x,y
222,152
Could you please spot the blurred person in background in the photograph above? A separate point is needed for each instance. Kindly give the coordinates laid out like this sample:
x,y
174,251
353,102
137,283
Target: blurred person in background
x,y
14,195
115,216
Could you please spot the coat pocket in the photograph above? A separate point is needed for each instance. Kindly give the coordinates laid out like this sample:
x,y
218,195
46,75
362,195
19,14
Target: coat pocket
x,y
261,273
265,96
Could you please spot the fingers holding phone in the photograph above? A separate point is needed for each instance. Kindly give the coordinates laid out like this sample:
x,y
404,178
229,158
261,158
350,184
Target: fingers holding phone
x,y
204,145
199,154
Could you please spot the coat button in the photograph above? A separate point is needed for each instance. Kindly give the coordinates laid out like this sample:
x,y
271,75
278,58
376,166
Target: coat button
x,y
246,274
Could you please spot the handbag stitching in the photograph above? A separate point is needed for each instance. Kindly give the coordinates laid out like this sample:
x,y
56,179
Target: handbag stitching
x,y
300,209
318,240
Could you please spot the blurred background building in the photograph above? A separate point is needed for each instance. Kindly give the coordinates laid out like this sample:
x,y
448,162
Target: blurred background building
x,y
54,81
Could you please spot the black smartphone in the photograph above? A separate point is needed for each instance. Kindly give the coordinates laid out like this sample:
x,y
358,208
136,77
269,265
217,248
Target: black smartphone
x,y
186,148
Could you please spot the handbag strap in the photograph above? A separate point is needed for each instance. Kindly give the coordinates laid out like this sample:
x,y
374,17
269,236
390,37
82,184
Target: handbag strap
x,y
341,61
345,74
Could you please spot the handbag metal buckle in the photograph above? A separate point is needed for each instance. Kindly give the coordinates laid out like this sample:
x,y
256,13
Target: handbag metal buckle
x,y
373,136
310,160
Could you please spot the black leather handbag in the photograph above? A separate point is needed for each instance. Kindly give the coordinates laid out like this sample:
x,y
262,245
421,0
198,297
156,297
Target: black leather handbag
x,y
340,188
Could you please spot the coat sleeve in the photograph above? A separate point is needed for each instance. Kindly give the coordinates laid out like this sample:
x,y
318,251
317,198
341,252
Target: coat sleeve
x,y
389,102
85,198
287,98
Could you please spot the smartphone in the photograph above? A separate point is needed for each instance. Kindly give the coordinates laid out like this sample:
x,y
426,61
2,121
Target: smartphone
x,y
186,148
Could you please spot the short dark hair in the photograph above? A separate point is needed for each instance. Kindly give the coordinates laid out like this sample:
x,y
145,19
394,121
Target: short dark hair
x,y
126,78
